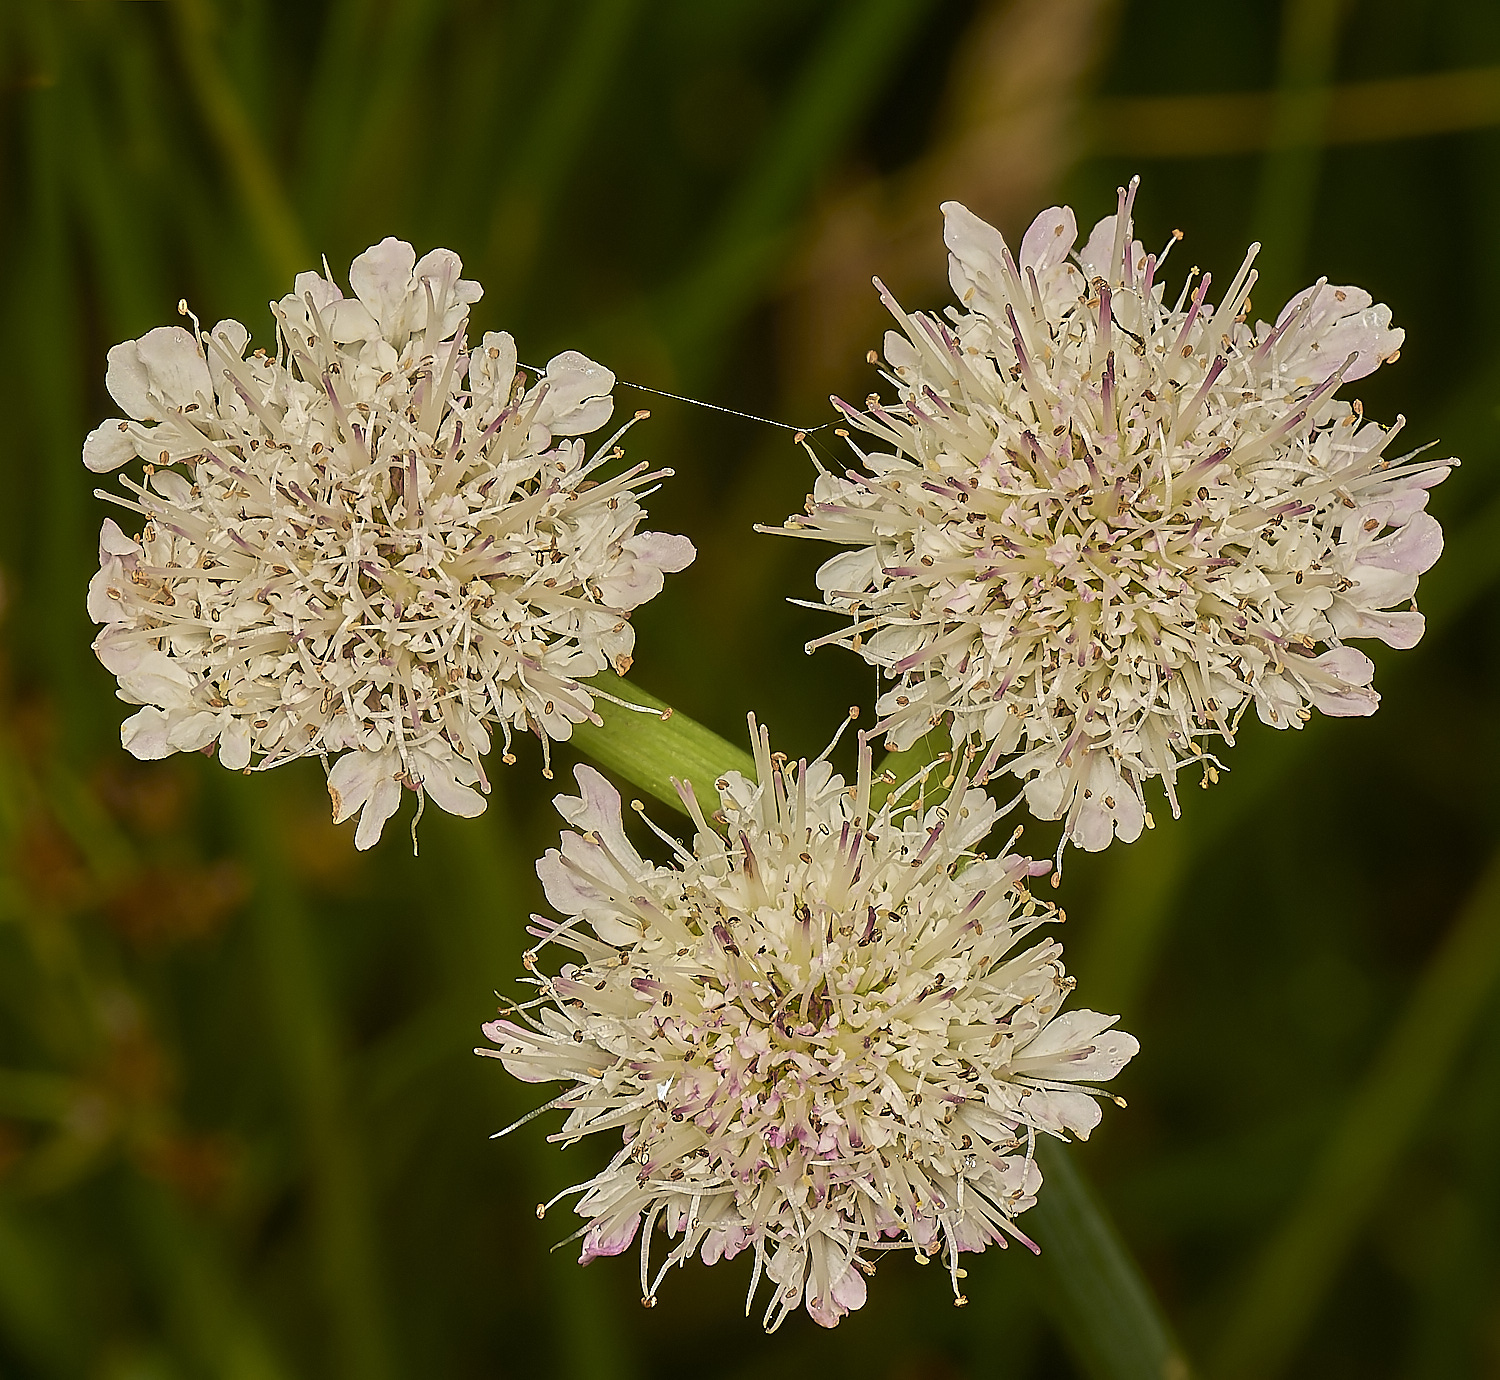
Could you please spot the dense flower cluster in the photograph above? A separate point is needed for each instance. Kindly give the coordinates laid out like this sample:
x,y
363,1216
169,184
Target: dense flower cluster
x,y
827,1031
1101,522
376,542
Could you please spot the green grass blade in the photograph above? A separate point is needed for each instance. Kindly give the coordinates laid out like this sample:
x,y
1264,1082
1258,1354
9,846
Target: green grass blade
x,y
1288,185
229,126
301,1016
201,1296
557,132
862,42
1298,1265
1104,1309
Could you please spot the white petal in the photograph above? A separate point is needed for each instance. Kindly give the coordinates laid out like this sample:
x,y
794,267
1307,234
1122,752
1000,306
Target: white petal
x,y
127,381
384,801
234,745
173,360
440,781
144,734
353,777
381,279
108,447
189,732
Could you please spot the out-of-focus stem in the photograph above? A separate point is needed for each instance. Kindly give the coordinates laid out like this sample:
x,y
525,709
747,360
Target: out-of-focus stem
x,y
1294,1271
229,125
299,1019
1283,214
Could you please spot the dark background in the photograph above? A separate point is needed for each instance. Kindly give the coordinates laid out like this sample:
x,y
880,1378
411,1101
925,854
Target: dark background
x,y
241,1132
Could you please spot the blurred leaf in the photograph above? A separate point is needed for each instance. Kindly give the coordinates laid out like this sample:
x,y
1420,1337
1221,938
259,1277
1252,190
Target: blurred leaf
x,y
1297,1266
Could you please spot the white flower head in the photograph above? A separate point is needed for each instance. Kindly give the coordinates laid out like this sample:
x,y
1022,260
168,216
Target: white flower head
x,y
1103,521
376,542
826,1032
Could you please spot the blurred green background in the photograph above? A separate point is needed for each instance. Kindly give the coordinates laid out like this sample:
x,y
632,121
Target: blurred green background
x,y
241,1132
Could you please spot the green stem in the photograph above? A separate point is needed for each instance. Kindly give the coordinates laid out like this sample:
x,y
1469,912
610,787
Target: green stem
x,y
1094,1290
649,750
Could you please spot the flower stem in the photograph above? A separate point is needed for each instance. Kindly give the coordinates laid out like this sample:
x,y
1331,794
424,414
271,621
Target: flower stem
x,y
648,750
1092,1287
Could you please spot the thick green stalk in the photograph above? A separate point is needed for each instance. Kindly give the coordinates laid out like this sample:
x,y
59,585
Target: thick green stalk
x,y
648,750
1093,1288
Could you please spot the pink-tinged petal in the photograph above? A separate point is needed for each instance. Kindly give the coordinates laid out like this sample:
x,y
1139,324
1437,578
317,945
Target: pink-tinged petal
x,y
597,810
114,542
1346,664
1410,497
107,447
1349,696
1413,548
1399,630
144,734
636,581
1095,254
1341,322
1049,240
1111,806
849,1291
1356,703
105,602
610,1237
663,550
381,278
323,291
1378,587
564,888
118,655
1093,829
